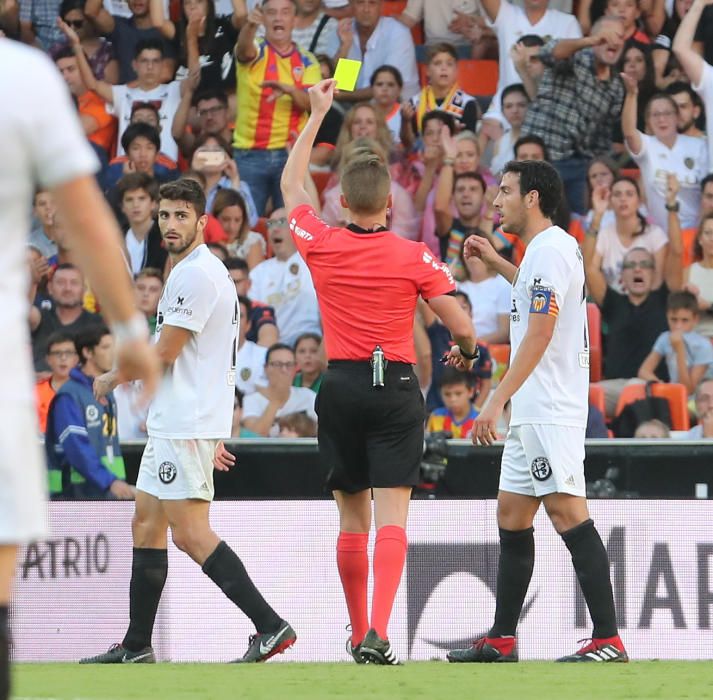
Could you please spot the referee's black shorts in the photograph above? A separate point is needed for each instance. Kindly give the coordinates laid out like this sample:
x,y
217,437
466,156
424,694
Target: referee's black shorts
x,y
369,437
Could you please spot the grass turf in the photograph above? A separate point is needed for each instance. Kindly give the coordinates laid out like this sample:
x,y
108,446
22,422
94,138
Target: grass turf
x,y
523,681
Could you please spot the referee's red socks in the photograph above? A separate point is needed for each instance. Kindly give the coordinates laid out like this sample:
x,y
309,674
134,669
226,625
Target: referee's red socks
x,y
389,559
353,566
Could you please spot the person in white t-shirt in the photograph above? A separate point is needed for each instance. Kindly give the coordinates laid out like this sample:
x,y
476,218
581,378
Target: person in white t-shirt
x,y
284,282
547,384
196,339
512,22
279,398
664,152
250,362
148,58
43,146
698,71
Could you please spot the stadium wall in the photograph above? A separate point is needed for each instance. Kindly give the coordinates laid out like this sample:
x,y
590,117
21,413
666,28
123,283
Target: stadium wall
x,y
71,592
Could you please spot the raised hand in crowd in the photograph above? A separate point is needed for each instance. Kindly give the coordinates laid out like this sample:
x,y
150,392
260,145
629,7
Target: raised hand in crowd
x,y
72,36
256,17
673,187
630,83
449,146
600,199
345,32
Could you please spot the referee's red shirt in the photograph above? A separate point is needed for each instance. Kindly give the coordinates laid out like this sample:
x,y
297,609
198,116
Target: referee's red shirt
x,y
367,286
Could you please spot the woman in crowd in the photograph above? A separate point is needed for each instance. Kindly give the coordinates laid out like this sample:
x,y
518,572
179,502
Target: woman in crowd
x,y
230,210
699,276
387,84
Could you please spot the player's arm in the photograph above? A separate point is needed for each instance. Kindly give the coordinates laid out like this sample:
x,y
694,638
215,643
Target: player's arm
x,y
648,367
688,57
171,342
292,182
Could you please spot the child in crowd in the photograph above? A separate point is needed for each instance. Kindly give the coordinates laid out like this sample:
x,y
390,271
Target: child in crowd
x,y
458,413
61,358
689,355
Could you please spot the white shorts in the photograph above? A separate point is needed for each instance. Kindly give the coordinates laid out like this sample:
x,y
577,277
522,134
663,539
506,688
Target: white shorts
x,y
173,469
23,476
543,459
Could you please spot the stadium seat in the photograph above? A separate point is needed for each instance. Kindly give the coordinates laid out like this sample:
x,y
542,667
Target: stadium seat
x,y
688,238
596,398
630,172
594,321
675,394
392,8
500,354
576,229
478,77
321,178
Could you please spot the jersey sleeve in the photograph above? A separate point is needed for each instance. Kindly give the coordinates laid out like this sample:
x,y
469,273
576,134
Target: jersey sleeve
x,y
192,296
662,345
548,279
253,405
306,228
433,277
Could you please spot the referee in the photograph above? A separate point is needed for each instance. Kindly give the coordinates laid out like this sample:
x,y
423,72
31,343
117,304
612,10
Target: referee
x,y
371,411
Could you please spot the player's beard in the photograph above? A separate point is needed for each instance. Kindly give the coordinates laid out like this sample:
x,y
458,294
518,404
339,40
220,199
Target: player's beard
x,y
178,247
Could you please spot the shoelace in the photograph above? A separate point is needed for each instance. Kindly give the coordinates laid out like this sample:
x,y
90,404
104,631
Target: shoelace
x,y
115,646
589,645
479,643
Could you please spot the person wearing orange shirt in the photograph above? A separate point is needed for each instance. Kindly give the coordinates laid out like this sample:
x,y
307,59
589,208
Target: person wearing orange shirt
x,y
272,103
99,125
61,358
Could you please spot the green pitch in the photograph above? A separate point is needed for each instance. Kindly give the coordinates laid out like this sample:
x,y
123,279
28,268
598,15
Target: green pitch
x,y
415,681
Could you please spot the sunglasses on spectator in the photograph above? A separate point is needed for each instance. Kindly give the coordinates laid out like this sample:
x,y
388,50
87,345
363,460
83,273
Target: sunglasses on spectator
x,y
642,264
276,223
74,23
282,365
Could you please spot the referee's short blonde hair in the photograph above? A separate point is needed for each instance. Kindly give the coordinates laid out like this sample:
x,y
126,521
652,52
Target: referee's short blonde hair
x,y
365,179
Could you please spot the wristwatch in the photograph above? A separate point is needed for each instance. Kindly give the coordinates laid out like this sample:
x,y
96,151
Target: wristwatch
x,y
673,207
470,356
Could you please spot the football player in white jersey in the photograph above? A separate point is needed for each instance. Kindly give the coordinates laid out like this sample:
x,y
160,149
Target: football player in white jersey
x,y
196,339
547,384
42,144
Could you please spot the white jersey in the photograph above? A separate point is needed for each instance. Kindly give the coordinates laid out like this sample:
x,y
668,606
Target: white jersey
x,y
41,142
250,367
705,90
550,281
195,399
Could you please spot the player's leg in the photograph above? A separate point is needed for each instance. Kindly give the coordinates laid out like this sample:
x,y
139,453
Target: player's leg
x,y
353,560
8,555
192,533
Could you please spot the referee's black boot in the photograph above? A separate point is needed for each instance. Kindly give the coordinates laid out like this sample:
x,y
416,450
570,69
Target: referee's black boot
x,y
375,650
118,654
486,650
264,646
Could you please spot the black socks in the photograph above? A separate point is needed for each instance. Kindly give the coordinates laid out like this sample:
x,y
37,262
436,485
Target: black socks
x,y
226,570
148,576
591,563
517,559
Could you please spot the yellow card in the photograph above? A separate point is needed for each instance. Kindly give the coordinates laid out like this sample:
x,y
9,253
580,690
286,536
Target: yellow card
x,y
346,74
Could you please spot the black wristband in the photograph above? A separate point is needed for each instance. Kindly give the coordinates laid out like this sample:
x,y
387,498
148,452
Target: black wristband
x,y
468,355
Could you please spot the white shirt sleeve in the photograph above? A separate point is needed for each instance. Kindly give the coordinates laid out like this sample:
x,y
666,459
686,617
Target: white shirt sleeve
x,y
191,298
642,157
402,54
414,9
60,151
573,29
504,297
254,405
256,275
506,16
548,271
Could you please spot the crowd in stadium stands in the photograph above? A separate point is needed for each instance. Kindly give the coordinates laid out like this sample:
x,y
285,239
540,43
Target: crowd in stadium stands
x,y
616,94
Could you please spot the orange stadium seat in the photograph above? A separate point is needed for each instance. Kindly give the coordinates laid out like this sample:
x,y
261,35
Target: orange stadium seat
x,y
594,321
596,398
391,8
478,77
675,394
630,172
321,178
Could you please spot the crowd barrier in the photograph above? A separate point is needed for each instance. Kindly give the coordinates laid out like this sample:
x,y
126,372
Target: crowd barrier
x,y
71,594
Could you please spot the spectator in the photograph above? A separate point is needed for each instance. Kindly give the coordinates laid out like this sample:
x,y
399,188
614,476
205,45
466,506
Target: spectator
x,y
689,108
61,358
578,101
636,318
99,125
263,328
666,65
66,291
329,129
515,102
42,235
457,414
699,276
126,33
148,88
211,157
688,355
285,283
387,83
525,57
219,250
704,412
297,425
376,40
279,398
310,361
138,196
148,286
315,30
237,430
665,151
596,424
231,211
212,111
630,230
628,12
98,50
654,14
698,70
441,92
601,173
512,22
82,442
38,22
250,360
653,429
270,109
205,42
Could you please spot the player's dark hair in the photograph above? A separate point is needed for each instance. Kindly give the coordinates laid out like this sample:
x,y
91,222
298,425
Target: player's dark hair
x,y
453,377
514,88
443,47
236,264
58,337
683,301
184,190
149,45
536,140
197,175
88,339
137,181
274,348
470,175
393,70
441,116
138,130
538,176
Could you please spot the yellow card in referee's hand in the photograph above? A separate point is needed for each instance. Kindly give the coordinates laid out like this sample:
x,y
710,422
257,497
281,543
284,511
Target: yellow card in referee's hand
x,y
346,74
